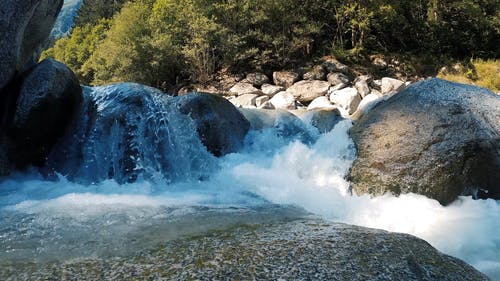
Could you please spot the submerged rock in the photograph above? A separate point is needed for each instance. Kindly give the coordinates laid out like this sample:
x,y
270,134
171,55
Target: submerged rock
x,y
437,138
296,250
25,26
48,98
222,128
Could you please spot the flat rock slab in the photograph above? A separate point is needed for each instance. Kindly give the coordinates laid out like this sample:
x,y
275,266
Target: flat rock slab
x,y
297,250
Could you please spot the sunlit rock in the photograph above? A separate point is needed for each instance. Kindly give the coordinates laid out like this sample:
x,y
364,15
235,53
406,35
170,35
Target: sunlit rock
x,y
437,138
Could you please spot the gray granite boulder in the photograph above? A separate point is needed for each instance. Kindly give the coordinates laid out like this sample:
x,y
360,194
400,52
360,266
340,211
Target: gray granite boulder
x,y
25,25
221,127
294,250
437,138
48,99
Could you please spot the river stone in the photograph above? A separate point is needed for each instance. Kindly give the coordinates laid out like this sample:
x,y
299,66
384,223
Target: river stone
x,y
320,102
283,100
389,85
25,26
362,88
308,90
271,90
323,119
366,104
48,99
257,79
245,100
437,138
317,73
295,250
333,65
347,99
242,88
337,78
222,128
285,78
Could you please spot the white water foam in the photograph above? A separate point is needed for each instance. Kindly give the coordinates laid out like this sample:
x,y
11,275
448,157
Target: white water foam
x,y
311,177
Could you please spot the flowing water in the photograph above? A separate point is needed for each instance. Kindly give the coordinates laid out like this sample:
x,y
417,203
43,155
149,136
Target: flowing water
x,y
179,189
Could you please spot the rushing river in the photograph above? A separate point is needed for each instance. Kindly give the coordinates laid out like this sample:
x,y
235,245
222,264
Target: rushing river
x,y
272,178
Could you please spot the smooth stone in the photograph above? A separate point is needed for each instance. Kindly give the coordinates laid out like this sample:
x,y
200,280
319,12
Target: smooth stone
x,y
283,100
48,100
348,99
307,90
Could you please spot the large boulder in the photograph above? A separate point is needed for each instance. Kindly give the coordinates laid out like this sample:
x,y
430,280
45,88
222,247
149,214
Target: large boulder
x,y
337,78
316,73
221,127
391,85
24,25
308,90
48,98
437,138
333,65
294,250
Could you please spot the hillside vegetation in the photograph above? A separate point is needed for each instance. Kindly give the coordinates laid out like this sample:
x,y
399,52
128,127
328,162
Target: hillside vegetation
x,y
164,42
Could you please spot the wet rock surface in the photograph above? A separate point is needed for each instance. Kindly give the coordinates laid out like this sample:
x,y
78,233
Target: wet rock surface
x,y
221,127
297,250
437,138
24,25
48,98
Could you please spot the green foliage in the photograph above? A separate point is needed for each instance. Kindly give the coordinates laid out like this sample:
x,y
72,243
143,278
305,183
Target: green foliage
x,y
484,73
92,11
76,50
160,42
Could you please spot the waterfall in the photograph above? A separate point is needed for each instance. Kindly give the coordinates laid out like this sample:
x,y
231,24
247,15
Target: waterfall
x,y
126,131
